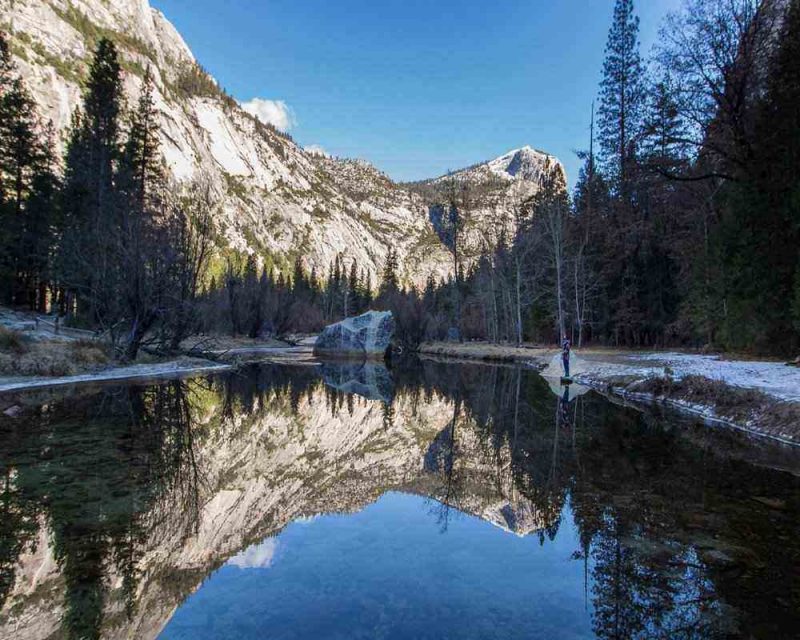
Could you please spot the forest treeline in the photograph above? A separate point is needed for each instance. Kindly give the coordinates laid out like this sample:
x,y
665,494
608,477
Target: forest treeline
x,y
683,228
99,236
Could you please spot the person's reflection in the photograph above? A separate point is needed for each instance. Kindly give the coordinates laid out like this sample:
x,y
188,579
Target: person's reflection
x,y
563,408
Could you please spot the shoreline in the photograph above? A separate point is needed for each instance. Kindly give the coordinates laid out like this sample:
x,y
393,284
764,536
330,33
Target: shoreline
x,y
751,397
172,368
768,410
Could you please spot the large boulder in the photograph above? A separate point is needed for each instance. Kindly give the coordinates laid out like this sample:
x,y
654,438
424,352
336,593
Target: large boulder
x,y
365,336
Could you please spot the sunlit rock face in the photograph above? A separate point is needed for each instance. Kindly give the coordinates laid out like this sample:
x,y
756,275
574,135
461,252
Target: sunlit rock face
x,y
497,192
275,196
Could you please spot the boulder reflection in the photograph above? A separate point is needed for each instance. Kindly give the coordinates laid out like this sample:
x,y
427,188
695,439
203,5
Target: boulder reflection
x,y
117,503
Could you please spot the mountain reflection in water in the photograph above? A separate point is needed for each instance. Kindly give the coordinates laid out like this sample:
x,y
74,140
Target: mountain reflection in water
x,y
119,502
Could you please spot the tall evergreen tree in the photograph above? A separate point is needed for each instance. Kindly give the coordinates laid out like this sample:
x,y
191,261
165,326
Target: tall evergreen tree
x,y
90,197
761,235
390,282
41,225
621,95
142,226
300,285
21,153
6,77
142,173
354,301
19,144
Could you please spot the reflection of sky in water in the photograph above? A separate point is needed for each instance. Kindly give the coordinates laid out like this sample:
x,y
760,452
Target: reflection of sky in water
x,y
691,532
259,556
390,572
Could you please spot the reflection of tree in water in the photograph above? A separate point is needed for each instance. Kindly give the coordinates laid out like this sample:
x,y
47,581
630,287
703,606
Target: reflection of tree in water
x,y
637,490
18,515
108,469
442,458
97,469
513,456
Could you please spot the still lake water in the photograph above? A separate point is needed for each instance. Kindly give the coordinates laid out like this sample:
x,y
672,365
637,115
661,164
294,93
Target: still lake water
x,y
437,500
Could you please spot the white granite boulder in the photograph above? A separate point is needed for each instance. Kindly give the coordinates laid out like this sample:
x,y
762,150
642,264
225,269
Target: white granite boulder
x,y
365,336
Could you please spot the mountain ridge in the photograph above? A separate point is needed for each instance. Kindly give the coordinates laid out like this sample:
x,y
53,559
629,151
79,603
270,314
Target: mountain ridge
x,y
276,199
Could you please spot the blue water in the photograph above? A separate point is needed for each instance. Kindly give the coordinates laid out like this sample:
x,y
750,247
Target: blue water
x,y
688,532
390,571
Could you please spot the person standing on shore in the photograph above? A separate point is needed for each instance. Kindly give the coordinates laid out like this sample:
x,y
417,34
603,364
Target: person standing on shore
x,y
565,349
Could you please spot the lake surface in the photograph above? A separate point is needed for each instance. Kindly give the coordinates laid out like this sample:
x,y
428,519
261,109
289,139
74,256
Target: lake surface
x,y
435,500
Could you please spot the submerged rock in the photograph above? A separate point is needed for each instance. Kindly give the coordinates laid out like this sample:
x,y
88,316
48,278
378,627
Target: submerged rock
x,y
365,336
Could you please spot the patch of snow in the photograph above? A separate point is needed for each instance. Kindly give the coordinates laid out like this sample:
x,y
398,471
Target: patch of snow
x,y
773,378
139,371
555,369
523,162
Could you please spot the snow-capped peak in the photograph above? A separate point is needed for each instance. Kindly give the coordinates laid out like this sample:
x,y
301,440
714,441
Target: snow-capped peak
x,y
525,163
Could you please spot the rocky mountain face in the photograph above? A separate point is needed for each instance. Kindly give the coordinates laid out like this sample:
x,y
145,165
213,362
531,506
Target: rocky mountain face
x,y
276,199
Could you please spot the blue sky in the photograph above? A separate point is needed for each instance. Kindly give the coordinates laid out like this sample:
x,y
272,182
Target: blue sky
x,y
415,87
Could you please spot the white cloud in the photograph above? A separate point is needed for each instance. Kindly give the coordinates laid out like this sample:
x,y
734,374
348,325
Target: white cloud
x,y
317,150
258,556
274,112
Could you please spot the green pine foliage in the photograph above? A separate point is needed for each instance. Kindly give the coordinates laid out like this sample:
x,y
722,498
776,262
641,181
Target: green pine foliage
x,y
761,227
390,281
621,94
27,191
90,199
142,174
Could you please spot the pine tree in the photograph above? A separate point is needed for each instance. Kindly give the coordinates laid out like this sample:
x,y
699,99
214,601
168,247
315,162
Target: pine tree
x,y
101,128
6,63
390,282
90,198
354,289
20,150
142,173
19,144
762,233
142,226
621,95
41,224
368,289
429,296
663,132
7,72
254,304
299,280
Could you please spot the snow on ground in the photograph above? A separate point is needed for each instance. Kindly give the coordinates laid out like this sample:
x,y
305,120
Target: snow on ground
x,y
773,378
138,371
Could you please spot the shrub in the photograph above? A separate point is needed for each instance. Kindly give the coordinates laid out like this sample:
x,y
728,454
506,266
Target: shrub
x,y
86,352
13,341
